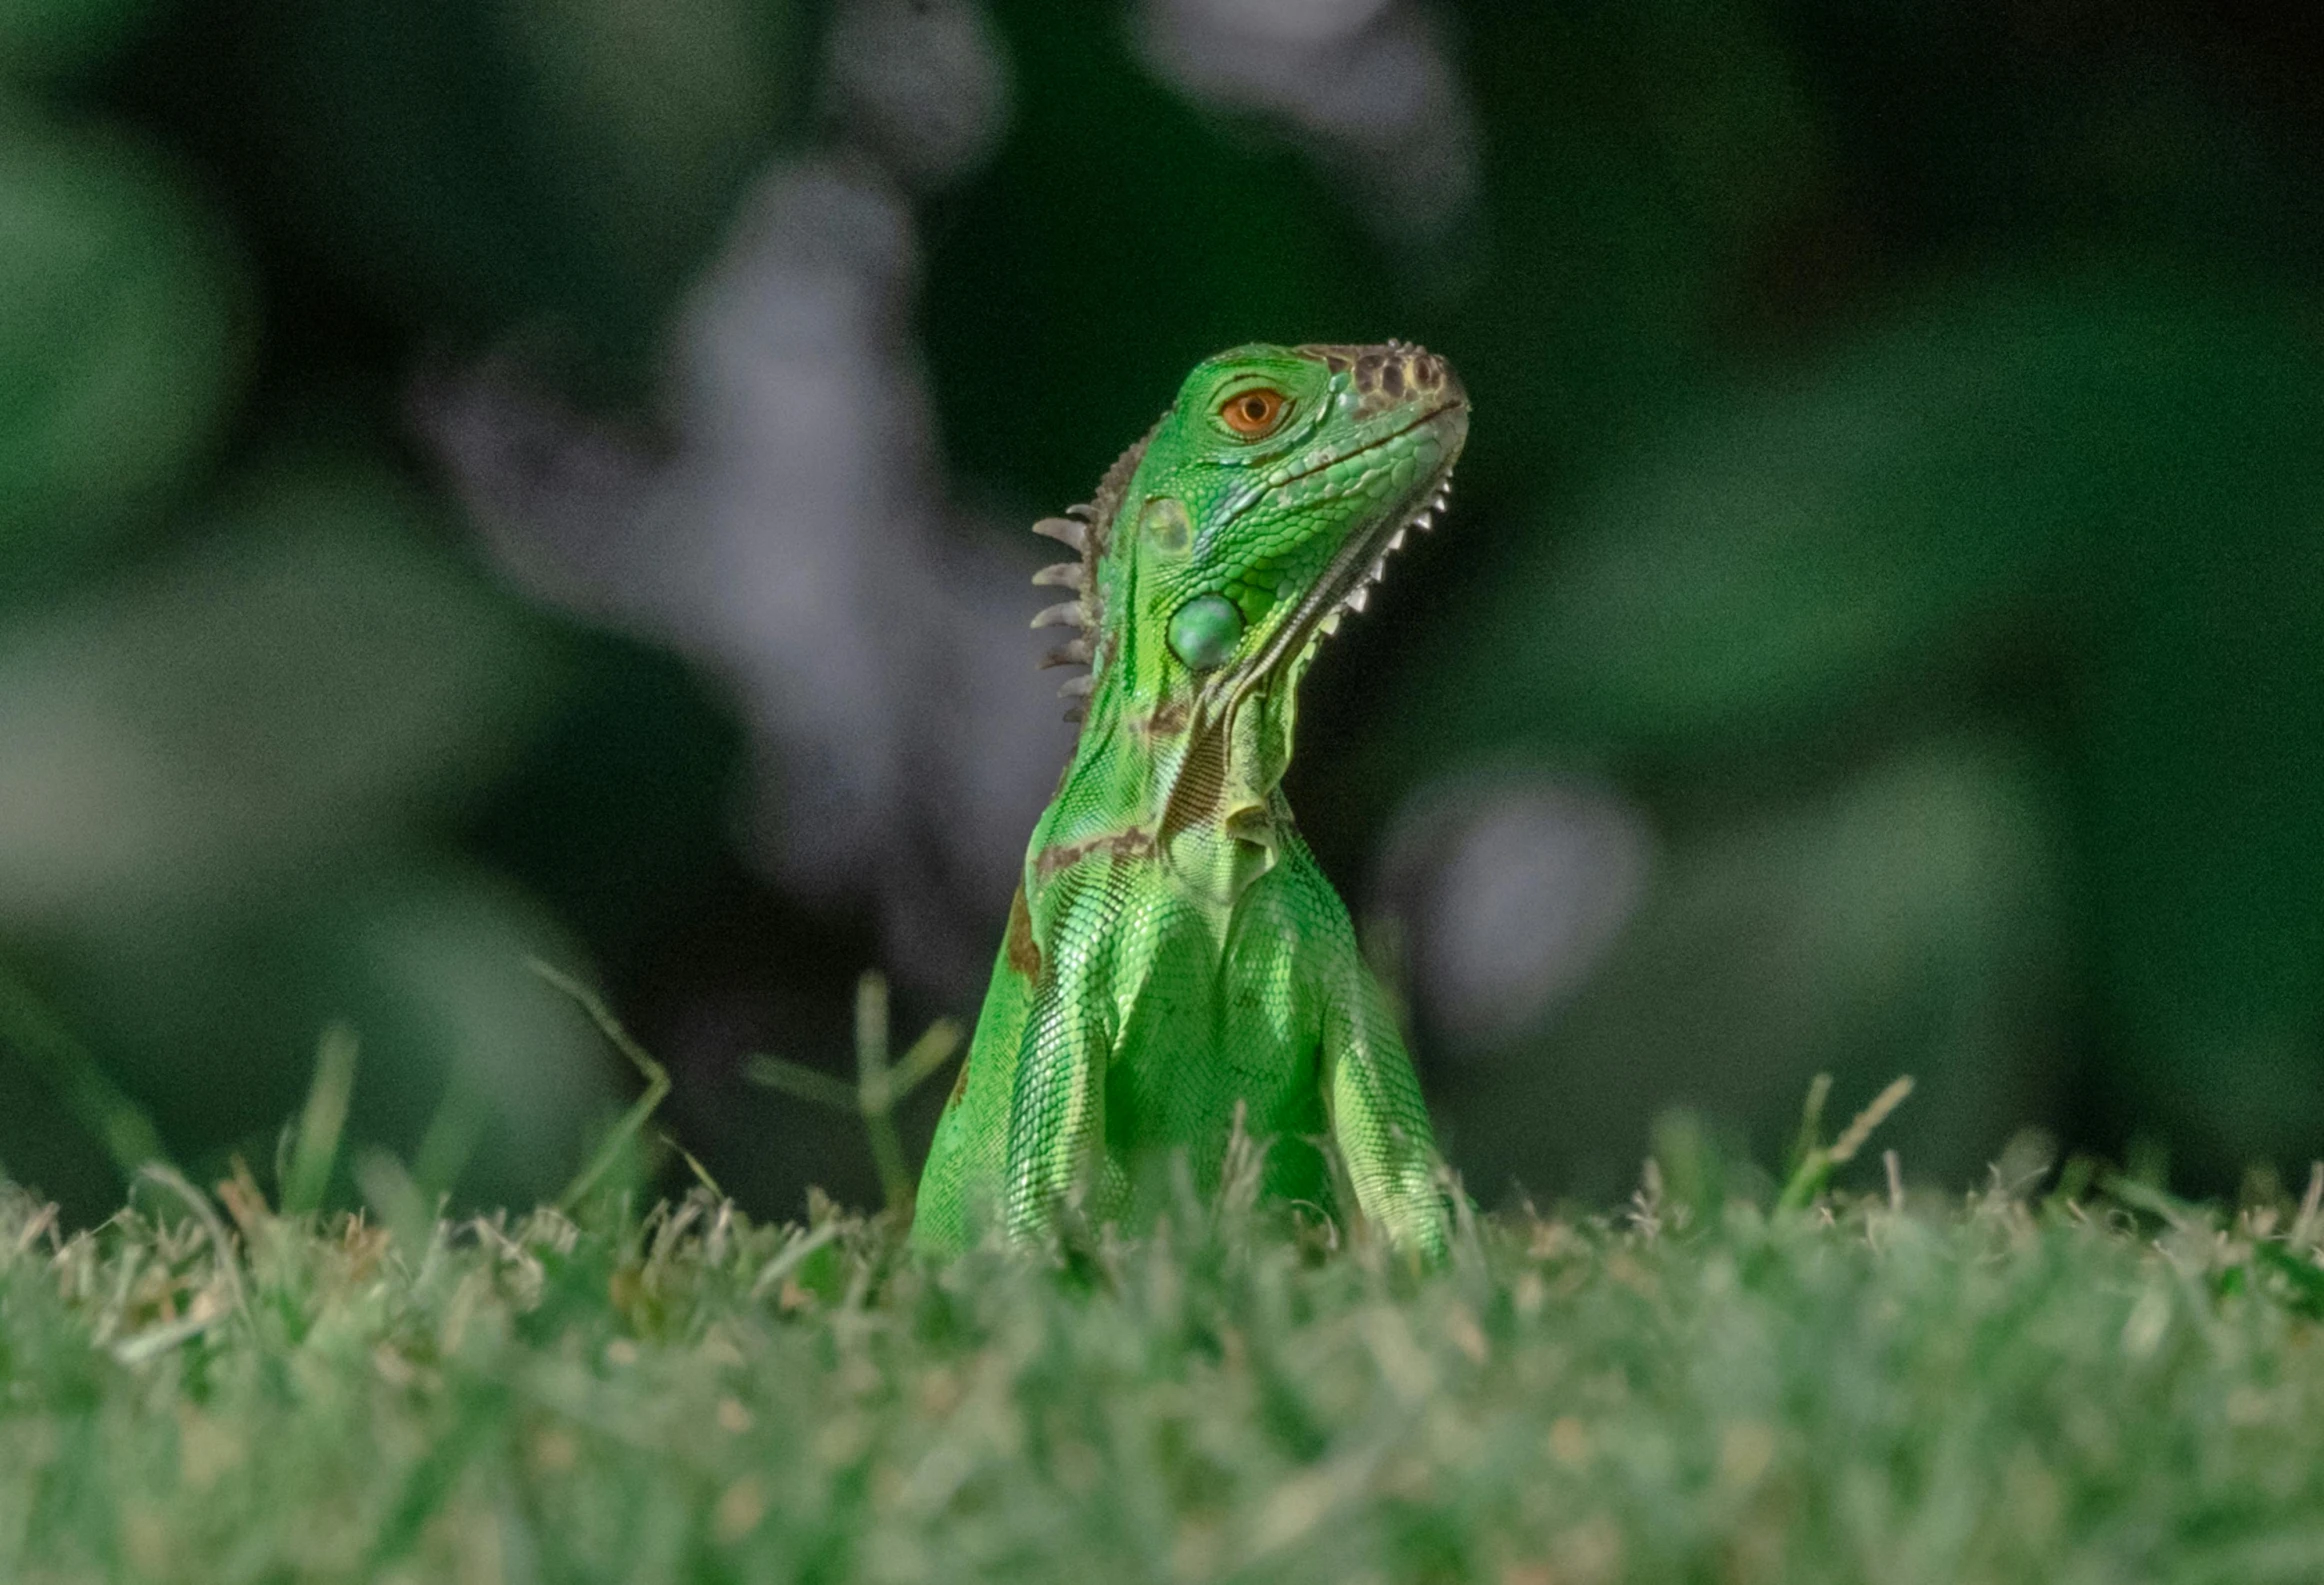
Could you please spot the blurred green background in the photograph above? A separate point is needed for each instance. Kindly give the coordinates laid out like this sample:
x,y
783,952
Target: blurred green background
x,y
547,478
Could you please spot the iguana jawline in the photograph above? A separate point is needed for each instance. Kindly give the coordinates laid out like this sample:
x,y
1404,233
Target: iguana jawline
x,y
1244,806
1369,551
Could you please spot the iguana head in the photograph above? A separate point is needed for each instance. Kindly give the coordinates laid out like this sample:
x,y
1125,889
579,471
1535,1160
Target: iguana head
x,y
1224,546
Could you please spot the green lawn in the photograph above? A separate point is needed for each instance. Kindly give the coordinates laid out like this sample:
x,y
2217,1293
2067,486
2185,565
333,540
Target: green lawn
x,y
2087,1386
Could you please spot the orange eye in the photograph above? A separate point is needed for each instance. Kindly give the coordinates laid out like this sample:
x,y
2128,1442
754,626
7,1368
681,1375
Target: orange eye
x,y
1252,414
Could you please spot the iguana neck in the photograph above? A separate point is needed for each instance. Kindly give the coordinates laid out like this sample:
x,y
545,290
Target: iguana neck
x,y
1167,769
1217,554
1193,784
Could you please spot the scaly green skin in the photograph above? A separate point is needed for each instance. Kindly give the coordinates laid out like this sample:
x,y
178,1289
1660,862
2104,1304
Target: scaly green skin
x,y
1174,954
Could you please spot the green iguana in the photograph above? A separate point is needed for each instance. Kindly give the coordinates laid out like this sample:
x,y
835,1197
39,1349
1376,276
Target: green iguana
x,y
1174,953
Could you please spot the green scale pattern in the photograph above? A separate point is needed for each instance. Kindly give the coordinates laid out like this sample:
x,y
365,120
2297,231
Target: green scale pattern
x,y
1175,957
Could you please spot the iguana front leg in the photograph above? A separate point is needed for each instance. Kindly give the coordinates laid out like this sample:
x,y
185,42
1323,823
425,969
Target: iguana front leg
x,y
1378,1120
1056,1131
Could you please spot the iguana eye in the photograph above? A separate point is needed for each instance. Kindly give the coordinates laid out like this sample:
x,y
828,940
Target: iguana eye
x,y
1253,414
1205,630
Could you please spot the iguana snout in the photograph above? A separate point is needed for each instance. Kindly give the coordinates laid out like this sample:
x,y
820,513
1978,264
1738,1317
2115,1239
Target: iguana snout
x,y
1394,372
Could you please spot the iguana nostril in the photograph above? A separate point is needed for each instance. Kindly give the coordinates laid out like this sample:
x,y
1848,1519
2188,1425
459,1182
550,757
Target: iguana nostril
x,y
1205,631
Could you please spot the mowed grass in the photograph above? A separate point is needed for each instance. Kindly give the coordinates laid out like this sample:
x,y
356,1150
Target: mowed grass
x,y
1708,1386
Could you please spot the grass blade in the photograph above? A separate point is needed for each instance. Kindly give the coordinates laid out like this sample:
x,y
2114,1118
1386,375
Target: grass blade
x,y
796,1078
37,1034
407,1214
873,1092
624,1133
316,1150
228,1263
880,1081
452,1136
929,1053
1811,1123
1815,1168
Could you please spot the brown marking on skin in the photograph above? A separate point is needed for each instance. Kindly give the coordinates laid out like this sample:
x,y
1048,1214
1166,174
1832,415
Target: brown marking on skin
x,y
1131,844
1024,952
959,1086
1169,718
1384,376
